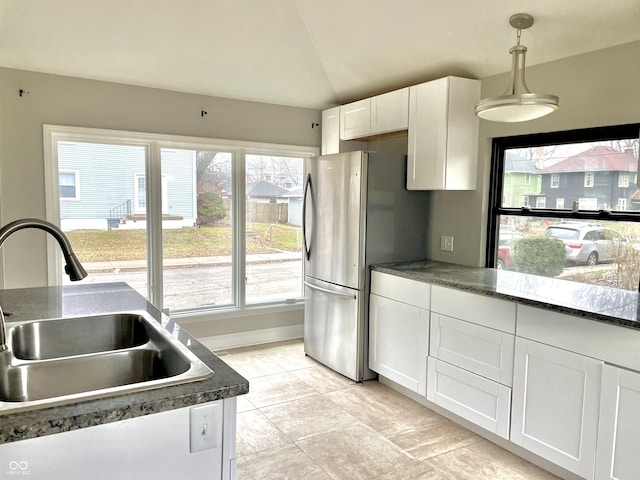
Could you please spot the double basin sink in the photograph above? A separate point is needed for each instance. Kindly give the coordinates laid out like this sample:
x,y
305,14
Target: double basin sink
x,y
61,361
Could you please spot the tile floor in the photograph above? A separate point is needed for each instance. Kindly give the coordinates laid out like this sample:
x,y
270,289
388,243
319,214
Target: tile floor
x,y
302,421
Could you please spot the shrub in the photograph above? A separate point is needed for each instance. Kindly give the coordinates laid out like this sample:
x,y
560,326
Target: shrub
x,y
210,208
539,255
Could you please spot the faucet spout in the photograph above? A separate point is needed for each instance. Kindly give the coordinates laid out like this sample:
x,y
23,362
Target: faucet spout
x,y
73,268
3,332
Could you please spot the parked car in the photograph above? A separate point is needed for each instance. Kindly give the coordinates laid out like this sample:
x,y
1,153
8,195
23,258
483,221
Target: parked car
x,y
587,243
504,248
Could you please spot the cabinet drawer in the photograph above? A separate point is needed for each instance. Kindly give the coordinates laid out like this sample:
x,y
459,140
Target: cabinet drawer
x,y
401,289
487,311
477,399
480,350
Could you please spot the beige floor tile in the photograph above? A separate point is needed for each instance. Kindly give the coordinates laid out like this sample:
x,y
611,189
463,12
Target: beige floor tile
x,y
431,436
372,401
308,416
354,453
416,471
253,366
486,461
278,388
244,405
323,379
288,463
255,433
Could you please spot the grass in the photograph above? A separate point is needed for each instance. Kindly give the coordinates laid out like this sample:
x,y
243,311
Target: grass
x,y
187,242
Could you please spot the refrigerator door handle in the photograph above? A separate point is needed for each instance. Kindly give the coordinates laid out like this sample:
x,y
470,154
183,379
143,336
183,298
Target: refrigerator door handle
x,y
308,188
325,290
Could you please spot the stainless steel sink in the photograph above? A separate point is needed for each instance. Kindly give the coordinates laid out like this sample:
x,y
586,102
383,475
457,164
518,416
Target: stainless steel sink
x,y
55,362
46,339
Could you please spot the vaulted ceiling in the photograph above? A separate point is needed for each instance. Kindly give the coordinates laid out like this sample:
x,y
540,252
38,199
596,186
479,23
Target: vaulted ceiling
x,y
307,53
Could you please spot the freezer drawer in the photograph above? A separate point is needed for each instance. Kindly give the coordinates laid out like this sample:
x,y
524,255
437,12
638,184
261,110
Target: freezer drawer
x,y
334,327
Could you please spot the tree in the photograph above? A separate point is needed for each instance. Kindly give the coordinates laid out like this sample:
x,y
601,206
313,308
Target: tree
x,y
211,208
539,256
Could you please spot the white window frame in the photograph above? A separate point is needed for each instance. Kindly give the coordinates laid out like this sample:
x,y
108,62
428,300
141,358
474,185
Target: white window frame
x,y
527,179
589,179
76,174
554,182
623,179
560,203
622,204
541,202
154,143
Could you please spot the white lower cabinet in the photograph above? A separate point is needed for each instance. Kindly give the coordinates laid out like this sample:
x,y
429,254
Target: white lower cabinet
x,y
619,430
398,342
556,396
477,399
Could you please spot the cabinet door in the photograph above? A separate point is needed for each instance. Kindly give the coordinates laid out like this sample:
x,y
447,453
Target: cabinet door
x,y
619,425
443,135
331,131
556,397
479,400
355,119
398,342
390,111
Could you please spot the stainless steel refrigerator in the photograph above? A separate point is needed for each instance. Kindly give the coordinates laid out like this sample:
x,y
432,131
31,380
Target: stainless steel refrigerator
x,y
356,212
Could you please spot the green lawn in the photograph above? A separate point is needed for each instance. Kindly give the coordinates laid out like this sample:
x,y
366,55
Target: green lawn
x,y
113,245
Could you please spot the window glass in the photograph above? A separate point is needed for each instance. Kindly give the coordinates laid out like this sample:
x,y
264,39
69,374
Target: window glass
x,y
273,228
582,193
68,185
197,238
107,236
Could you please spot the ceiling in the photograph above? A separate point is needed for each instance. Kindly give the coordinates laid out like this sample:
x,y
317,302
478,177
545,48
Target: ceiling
x,y
307,53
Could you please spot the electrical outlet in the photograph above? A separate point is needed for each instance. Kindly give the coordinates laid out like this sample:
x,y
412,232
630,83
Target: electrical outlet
x,y
446,243
205,427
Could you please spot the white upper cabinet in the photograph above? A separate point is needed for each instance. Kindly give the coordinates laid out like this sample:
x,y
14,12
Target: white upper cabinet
x,y
331,131
390,112
355,119
443,135
384,113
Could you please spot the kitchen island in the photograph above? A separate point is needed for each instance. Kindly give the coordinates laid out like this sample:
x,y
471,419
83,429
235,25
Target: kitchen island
x,y
544,367
163,412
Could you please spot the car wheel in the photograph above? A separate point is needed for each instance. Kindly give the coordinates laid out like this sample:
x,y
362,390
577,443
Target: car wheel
x,y
500,265
592,259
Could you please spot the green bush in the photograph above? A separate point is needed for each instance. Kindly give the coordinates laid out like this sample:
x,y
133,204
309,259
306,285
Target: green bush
x,y
538,255
210,208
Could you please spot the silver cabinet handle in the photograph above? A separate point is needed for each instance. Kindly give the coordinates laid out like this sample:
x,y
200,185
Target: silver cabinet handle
x,y
325,290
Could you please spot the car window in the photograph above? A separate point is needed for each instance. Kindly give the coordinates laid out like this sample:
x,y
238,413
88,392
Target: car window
x,y
593,235
562,233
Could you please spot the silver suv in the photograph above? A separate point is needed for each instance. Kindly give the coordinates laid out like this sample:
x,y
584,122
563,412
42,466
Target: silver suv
x,y
588,243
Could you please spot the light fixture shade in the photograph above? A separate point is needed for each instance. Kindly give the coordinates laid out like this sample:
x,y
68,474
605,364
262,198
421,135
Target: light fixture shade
x,y
517,108
517,104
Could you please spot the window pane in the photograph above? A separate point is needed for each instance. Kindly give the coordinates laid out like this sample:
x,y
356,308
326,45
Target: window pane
x,y
596,175
598,253
273,228
196,228
106,235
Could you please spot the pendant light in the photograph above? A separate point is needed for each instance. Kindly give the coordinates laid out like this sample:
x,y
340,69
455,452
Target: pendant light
x,y
517,104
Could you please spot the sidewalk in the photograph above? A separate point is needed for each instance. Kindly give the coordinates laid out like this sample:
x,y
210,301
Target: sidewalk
x,y
138,265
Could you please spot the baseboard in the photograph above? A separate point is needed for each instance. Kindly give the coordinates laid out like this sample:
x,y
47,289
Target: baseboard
x,y
253,337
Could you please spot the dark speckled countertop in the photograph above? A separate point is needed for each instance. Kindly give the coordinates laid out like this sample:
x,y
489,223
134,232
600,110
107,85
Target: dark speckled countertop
x,y
605,304
91,299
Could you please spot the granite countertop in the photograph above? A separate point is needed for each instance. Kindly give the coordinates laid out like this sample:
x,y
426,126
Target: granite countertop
x,y
605,304
91,299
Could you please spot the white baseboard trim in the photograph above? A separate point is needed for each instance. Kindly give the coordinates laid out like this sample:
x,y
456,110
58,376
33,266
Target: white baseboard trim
x,y
253,337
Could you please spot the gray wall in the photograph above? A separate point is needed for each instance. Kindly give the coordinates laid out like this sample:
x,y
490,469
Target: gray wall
x,y
595,89
77,102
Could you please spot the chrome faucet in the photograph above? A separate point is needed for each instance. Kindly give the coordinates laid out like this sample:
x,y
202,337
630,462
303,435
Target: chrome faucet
x,y
72,267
